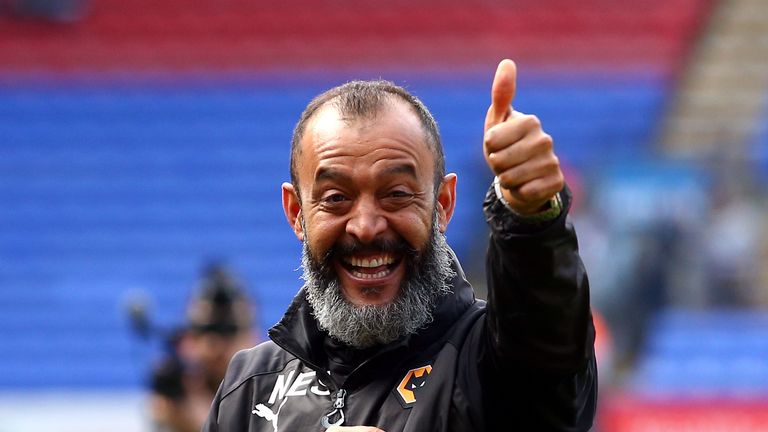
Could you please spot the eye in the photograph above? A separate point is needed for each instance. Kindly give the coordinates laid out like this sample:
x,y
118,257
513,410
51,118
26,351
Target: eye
x,y
400,194
396,199
335,198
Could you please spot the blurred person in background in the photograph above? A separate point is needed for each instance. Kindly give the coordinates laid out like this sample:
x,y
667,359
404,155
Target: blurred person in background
x,y
386,331
733,244
596,252
219,323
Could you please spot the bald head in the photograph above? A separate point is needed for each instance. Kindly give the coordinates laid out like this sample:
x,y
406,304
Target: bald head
x,y
364,100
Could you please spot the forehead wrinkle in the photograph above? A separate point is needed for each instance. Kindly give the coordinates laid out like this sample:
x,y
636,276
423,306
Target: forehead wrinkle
x,y
337,142
387,165
330,151
337,175
406,168
325,173
330,116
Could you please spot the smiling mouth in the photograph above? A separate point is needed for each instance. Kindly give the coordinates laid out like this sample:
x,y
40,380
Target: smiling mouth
x,y
371,266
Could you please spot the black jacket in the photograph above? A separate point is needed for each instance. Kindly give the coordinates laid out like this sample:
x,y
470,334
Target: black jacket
x,y
524,361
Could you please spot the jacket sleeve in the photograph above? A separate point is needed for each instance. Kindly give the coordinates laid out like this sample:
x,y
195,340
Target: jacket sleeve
x,y
538,329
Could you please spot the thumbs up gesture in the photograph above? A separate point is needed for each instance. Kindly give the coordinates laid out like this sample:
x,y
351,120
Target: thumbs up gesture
x,y
517,150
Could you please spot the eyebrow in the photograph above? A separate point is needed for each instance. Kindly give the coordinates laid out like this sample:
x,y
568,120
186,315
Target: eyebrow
x,y
330,174
405,168
333,174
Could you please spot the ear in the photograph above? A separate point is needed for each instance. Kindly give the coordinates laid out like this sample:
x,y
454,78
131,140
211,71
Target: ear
x,y
292,209
446,201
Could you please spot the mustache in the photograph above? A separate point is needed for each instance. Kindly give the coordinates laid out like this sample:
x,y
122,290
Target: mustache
x,y
353,247
397,246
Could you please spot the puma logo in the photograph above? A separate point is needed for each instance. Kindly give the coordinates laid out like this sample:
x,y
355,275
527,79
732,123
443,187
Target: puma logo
x,y
287,386
267,414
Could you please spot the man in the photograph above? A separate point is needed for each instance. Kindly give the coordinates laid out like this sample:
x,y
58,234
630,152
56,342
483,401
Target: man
x,y
219,323
386,334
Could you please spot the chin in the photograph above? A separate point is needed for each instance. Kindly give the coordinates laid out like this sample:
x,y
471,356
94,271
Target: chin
x,y
370,295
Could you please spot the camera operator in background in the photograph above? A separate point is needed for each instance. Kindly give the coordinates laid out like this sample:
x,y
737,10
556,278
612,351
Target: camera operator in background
x,y
219,323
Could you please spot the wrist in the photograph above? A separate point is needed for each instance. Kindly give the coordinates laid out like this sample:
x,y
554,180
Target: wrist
x,y
550,211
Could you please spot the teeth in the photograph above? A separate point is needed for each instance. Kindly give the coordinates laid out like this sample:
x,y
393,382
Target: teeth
x,y
376,275
370,262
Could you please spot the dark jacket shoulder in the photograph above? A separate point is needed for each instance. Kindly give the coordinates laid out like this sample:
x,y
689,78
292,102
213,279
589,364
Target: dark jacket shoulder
x,y
265,358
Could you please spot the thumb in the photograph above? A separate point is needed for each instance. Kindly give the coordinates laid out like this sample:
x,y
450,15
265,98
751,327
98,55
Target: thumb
x,y
502,93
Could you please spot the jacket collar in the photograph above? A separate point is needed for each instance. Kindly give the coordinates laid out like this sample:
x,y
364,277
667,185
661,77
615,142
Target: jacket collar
x,y
298,332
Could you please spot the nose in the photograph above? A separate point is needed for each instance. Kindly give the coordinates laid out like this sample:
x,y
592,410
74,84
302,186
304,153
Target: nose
x,y
367,221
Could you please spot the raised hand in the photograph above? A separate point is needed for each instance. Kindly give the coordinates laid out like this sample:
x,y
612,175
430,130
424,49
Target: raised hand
x,y
517,150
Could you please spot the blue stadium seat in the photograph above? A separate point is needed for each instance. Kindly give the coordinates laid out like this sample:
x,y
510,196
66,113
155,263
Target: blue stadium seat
x,y
705,353
118,187
759,147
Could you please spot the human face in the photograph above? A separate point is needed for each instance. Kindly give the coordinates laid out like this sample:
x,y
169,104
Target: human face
x,y
367,182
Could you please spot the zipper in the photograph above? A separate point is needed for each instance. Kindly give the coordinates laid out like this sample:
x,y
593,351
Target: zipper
x,y
338,411
339,396
336,417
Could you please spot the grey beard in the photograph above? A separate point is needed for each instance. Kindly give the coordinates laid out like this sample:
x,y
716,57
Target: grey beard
x,y
426,281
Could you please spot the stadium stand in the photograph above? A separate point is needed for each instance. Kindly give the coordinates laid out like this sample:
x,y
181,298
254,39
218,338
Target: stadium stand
x,y
151,136
701,370
703,354
113,188
240,34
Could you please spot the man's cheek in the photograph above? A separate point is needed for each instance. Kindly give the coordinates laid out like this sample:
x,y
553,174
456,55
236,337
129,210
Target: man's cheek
x,y
320,240
316,251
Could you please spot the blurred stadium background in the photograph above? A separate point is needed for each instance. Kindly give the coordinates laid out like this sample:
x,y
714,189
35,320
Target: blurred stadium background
x,y
141,139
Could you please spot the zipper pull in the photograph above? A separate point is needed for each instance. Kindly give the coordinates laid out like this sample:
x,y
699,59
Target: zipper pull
x,y
338,408
339,402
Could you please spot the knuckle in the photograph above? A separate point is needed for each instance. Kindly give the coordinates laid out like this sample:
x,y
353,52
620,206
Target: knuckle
x,y
493,161
552,186
530,121
488,137
546,141
560,183
542,191
534,193
505,179
488,150
553,163
527,193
